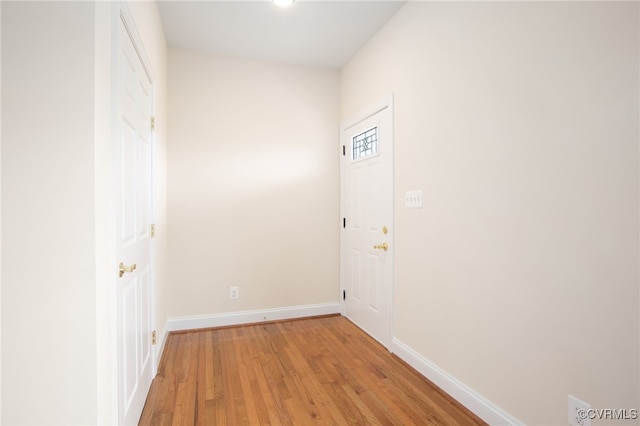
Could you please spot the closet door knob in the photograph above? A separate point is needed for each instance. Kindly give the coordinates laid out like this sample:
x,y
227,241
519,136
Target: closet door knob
x,y
383,246
122,269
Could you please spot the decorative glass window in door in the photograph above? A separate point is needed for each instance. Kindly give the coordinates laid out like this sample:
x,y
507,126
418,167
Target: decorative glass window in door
x,y
365,144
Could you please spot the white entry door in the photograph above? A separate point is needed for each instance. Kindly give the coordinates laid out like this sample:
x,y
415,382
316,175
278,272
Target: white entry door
x,y
367,234
133,171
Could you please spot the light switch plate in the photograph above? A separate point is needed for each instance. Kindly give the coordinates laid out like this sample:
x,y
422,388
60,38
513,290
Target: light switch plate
x,y
413,199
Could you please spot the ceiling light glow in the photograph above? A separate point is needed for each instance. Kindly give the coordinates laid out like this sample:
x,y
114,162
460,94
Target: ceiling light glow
x,y
283,3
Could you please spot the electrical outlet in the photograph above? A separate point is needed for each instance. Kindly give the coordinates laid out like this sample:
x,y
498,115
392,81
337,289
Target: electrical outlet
x,y
578,412
234,292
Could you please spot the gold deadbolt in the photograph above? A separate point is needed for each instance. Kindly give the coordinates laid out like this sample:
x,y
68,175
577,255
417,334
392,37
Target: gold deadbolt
x,y
383,246
122,269
384,230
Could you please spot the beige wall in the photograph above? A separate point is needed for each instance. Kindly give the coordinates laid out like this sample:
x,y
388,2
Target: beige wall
x,y
48,274
57,234
253,195
519,122
0,212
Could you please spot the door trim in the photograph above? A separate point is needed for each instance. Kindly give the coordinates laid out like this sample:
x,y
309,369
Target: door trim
x,y
386,102
379,106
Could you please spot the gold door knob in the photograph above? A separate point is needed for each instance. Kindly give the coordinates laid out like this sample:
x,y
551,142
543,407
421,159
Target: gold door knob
x,y
383,246
122,269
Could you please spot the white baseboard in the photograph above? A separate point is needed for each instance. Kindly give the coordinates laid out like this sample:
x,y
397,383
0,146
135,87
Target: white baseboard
x,y
248,317
475,402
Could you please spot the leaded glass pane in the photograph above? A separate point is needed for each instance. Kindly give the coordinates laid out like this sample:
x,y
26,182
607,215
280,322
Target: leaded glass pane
x,y
364,144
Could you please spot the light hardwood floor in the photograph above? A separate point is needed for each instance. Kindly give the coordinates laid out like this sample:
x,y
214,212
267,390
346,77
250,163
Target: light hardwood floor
x,y
321,370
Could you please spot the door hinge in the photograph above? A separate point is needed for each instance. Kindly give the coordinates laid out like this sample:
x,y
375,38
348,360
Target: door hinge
x,y
153,230
344,150
344,222
153,123
344,294
153,337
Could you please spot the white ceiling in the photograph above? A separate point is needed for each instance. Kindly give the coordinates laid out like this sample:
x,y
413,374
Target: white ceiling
x,y
313,33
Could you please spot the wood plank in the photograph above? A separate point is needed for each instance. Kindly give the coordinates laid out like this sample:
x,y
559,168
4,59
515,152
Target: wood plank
x,y
322,370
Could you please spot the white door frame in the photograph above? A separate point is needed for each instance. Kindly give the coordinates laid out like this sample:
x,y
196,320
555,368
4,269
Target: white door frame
x,y
385,103
122,13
